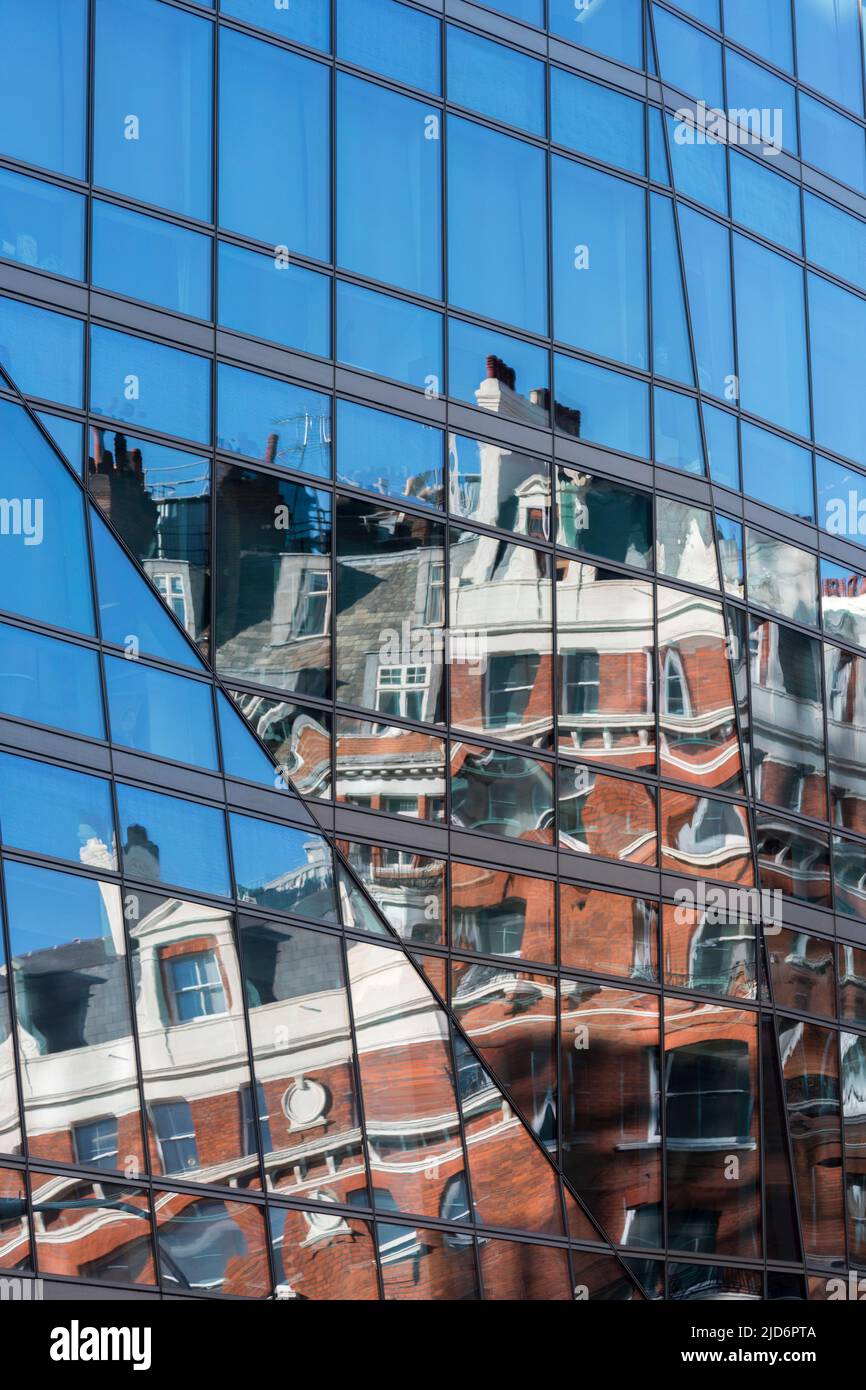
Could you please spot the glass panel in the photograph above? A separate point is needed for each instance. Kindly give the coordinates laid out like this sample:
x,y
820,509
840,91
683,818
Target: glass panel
x,y
713,1123
167,840
43,558
68,435
713,1283
524,1273
391,612
10,1122
298,738
499,82
810,1064
389,337
273,590
600,282
500,666
501,793
685,546
385,453
781,1224
496,197
43,352
794,860
697,719
307,22
498,373
78,1070
149,259
155,712
97,1231
771,336
707,947
322,1257
777,472
388,187
270,298
606,816
828,49
835,239
704,836
604,407
604,663
384,767
159,501
604,518
802,972
41,225
50,682
688,59
842,609
764,28
751,89
677,432
210,1246
614,30
788,734
837,323
608,933
283,868
596,121
671,349
610,1107
510,1015
15,1226
698,159
729,536
150,385
852,983
427,1265
833,143
853,1074
845,682
706,256
767,203
50,810
408,888
43,93
502,914
390,39
280,424
782,578
278,190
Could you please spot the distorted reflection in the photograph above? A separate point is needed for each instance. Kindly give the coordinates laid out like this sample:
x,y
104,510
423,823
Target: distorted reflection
x,y
697,723
95,1231
281,867
787,713
700,834
852,983
496,913
14,1221
849,877
158,500
498,486
604,518
845,679
853,1049
501,793
307,1109
709,950
843,603
802,973
511,1017
712,1129
426,1265
523,1273
793,859
76,1049
781,1223
697,1283
611,1135
298,737
211,1246
322,1255
500,638
685,545
608,933
408,888
273,581
604,623
192,1041
606,816
390,611
729,536
10,1122
387,767
782,578
810,1065
601,1277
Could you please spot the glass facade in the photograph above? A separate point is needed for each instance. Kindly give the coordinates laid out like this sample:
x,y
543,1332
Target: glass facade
x,y
433,553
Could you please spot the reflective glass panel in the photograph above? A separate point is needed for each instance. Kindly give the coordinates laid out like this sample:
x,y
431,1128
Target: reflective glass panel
x,y
51,810
283,868
160,713
43,90
614,30
390,337
498,373
270,298
498,913
678,441
168,840
499,487
15,1250
391,39
837,322
845,683
150,385
96,1231
764,28
41,225
500,793
146,258
788,732
810,1064
782,577
843,602
384,453
606,816
596,121
368,755
498,81
793,859
608,933
751,90
828,49
43,352
706,256
767,203
706,836
802,972
835,239
688,59
605,407
604,518
524,1273
408,889
833,143
298,738
771,336
275,422
210,1246
672,356
50,682
322,1257
707,946
685,545
776,471
306,22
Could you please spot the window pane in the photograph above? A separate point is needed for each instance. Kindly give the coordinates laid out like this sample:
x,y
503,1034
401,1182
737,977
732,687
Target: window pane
x,y
833,143
389,337
491,369
841,500
496,198
596,121
788,732
700,167
213,1247
764,28
604,518
706,255
689,59
155,712
50,810
327,1257
835,240
148,259
152,117
497,81
147,384
600,282
391,39
41,225
302,21
385,453
167,840
280,424
672,355
44,573
276,190
630,949
846,728
499,487
501,914
828,49
50,682
777,472
96,1231
837,323
841,602
677,432
43,91
504,794
606,816
267,298
43,352
388,187
68,435
782,577
614,30
282,868
771,336
767,203
605,407
752,89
